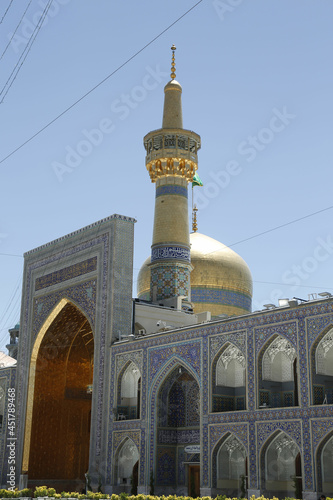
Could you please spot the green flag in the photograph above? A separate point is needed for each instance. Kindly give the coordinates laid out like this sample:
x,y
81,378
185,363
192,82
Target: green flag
x,y
197,181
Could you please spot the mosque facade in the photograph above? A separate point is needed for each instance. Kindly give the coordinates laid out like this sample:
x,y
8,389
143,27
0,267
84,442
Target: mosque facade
x,y
182,390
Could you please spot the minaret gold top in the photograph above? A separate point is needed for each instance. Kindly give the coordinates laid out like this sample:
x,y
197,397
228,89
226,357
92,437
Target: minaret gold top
x,y
173,64
172,151
172,112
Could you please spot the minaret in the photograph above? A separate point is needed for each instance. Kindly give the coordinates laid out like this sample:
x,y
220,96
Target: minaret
x,y
171,161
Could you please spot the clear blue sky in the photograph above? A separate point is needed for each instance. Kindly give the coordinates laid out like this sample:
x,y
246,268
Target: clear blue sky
x,y
257,84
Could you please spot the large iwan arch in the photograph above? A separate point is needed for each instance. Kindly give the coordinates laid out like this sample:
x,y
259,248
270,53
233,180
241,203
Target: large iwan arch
x,y
57,433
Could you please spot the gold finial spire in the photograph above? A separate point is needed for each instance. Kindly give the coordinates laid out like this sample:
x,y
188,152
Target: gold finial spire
x,y
194,219
173,64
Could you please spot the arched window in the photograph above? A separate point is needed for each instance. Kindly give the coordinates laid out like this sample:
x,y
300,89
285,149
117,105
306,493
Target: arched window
x,y
327,465
230,368
231,461
229,384
280,459
322,369
129,407
278,374
324,355
127,457
278,361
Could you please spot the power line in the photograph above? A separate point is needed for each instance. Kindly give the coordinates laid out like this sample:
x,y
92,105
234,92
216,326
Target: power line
x,y
3,17
17,27
11,255
279,227
101,82
25,52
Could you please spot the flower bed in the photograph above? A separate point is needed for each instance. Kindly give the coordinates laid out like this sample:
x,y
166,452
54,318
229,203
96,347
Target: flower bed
x,y
45,492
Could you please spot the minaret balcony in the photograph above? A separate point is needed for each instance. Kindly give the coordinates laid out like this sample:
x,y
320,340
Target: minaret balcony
x,y
176,167
172,143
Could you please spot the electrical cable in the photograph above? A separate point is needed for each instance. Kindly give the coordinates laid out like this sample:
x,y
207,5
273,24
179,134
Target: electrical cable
x,y
100,83
17,27
281,225
25,52
3,17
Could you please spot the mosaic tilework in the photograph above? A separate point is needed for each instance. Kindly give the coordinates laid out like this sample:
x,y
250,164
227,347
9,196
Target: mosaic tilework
x,y
287,330
24,354
303,364
160,252
181,466
318,457
252,457
123,359
286,416
83,295
204,459
120,236
155,388
218,438
292,428
216,433
166,466
171,189
120,436
178,436
318,390
237,338
215,296
170,280
317,325
251,370
68,273
320,429
186,352
307,458
177,413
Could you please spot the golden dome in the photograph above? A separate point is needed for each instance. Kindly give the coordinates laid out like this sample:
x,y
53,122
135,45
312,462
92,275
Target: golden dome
x,y
221,281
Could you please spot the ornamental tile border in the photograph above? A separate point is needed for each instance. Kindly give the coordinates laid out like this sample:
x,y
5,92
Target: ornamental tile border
x,y
320,429
172,189
123,359
238,338
190,352
315,326
104,240
161,252
216,432
287,330
266,429
82,295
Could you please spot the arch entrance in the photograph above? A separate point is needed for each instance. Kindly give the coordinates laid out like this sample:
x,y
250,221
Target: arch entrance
x,y
59,401
178,436
282,468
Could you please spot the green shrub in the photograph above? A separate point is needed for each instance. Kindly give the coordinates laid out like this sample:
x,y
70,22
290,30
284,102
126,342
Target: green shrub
x,y
41,491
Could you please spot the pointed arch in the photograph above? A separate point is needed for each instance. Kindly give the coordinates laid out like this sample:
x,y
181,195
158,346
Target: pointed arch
x,y
277,373
228,379
229,464
280,465
126,457
175,409
324,463
322,367
60,383
129,392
